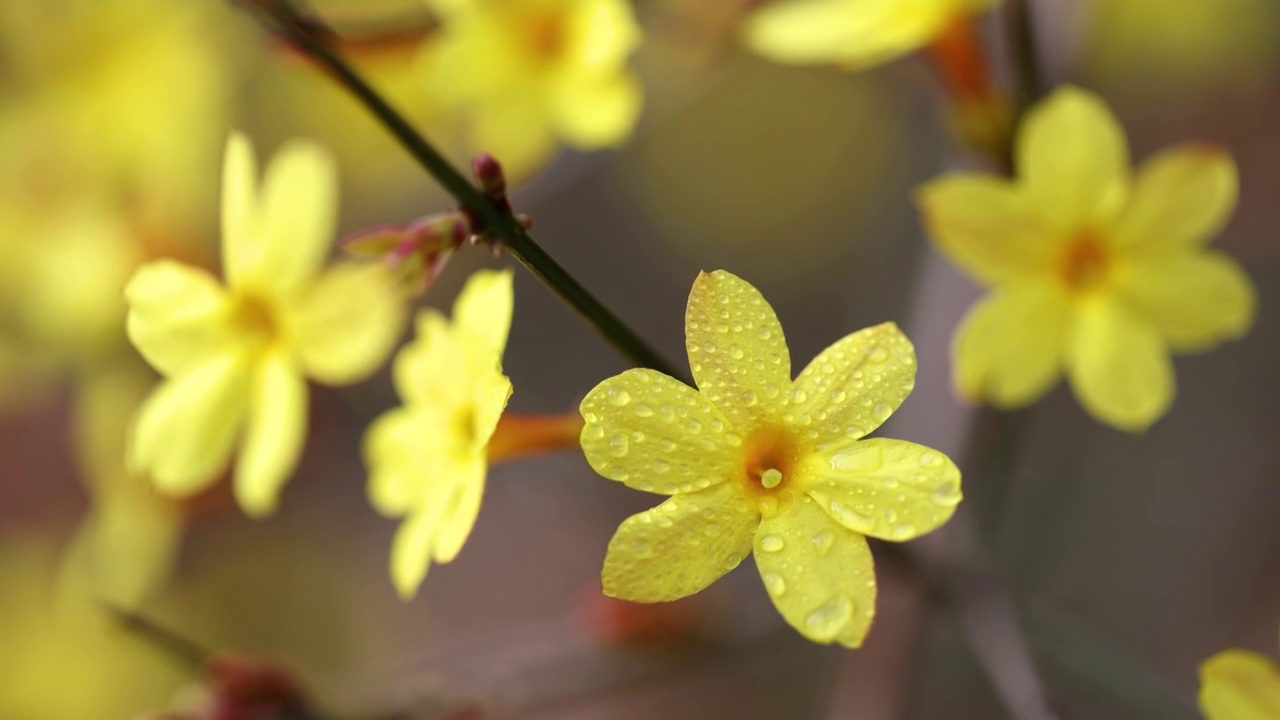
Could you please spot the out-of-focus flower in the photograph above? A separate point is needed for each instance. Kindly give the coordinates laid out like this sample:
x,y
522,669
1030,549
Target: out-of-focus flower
x,y
755,460
1239,685
427,460
531,73
418,252
1094,270
236,358
855,34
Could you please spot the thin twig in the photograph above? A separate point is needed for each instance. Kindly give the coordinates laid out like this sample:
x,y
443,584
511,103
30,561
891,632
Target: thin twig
x,y
1022,48
308,37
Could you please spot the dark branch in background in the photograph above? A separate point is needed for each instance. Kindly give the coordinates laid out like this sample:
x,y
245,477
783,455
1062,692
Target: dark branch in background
x,y
313,39
1029,81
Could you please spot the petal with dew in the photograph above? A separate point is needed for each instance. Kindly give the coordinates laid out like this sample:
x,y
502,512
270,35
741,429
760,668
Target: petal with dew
x,y
185,429
274,435
1119,366
1181,198
1196,300
988,226
1009,348
854,385
347,323
737,351
679,547
833,598
297,215
483,308
890,489
1239,685
1074,159
657,434
178,316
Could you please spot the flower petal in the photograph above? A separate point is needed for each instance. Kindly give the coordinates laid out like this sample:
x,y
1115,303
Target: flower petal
x,y
239,200
1181,198
1074,159
466,478
1119,366
1239,685
819,574
598,111
657,434
737,351
186,428
890,489
274,436
347,323
401,451
987,226
295,220
1195,300
425,369
854,385
679,547
483,308
177,315
411,550
1009,348
853,34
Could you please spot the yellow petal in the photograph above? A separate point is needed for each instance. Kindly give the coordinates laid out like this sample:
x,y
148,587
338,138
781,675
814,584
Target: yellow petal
x,y
483,308
737,351
516,130
130,540
1119,366
1009,349
890,489
400,451
597,111
605,33
1239,685
274,436
426,370
1195,300
411,551
466,477
1074,159
656,434
1181,198
819,574
853,33
293,225
239,200
185,429
987,226
177,315
854,385
347,323
679,547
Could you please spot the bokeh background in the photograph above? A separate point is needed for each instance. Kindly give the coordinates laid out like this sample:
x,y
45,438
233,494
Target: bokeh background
x,y
1132,558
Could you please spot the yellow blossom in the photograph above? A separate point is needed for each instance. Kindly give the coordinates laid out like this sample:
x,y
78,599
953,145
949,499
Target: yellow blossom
x,y
1094,271
1239,685
427,459
755,461
852,33
529,73
235,358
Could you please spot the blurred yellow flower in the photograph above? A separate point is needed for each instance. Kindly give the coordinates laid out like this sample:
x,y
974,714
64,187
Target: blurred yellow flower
x,y
1094,271
529,73
427,460
1239,685
855,34
239,356
754,460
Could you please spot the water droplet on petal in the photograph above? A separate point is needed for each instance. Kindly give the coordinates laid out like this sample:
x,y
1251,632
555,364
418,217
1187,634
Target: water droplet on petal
x,y
594,432
823,542
619,397
877,354
930,458
618,445
946,495
774,583
828,619
772,543
643,410
849,517
735,352
768,506
641,548
882,411
694,426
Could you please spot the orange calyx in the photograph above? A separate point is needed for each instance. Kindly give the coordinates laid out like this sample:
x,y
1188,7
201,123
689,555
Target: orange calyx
x,y
1085,263
767,477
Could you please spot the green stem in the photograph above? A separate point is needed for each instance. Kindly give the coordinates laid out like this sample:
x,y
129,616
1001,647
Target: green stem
x,y
498,222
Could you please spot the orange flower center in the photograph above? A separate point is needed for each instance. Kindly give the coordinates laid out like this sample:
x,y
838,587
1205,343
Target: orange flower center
x,y
544,35
1085,263
255,318
767,470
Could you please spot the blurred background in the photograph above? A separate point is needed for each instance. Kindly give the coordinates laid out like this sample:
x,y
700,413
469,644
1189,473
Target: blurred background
x,y
1132,558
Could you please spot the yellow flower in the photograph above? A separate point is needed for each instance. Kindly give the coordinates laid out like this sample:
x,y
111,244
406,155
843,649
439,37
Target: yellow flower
x,y
752,459
852,33
1094,271
1239,685
532,72
235,359
427,460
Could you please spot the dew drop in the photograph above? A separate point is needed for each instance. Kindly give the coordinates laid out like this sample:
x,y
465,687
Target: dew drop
x,y
825,622
838,396
663,521
711,529
641,548
946,495
823,542
618,445
667,444
772,543
768,506
849,517
735,352
594,432
905,531
693,426
877,354
882,411
890,515
643,410
930,458
661,466
774,583
619,397
799,396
